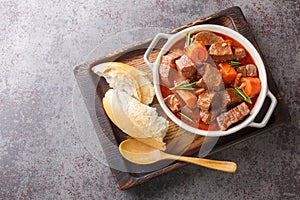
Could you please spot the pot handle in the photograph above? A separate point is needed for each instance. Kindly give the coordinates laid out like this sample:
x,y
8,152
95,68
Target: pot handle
x,y
151,47
268,114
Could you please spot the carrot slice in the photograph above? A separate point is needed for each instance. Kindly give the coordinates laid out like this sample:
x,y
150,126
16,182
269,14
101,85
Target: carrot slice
x,y
228,72
252,86
173,65
197,52
189,98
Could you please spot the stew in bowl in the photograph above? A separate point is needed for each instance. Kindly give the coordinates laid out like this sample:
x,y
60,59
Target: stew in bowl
x,y
210,80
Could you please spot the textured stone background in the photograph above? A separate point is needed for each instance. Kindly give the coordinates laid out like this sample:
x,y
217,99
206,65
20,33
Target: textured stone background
x,y
41,155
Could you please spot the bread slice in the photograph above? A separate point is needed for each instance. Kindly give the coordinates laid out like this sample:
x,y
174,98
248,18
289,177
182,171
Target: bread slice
x,y
126,78
135,119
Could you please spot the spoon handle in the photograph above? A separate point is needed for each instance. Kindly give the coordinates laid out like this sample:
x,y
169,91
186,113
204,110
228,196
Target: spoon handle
x,y
225,166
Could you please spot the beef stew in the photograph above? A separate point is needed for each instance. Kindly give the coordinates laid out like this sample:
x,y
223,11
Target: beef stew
x,y
209,81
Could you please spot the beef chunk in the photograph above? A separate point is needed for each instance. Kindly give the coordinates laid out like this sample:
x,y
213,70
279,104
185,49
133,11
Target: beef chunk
x,y
167,69
208,116
247,70
212,78
173,103
205,100
205,116
221,51
218,101
170,58
166,74
232,116
208,38
185,66
239,53
231,98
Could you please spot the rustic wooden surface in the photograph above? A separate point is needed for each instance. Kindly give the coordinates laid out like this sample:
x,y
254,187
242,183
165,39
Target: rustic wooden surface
x,y
232,18
48,145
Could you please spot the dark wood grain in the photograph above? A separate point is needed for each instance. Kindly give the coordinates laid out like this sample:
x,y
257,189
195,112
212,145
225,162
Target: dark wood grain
x,y
93,90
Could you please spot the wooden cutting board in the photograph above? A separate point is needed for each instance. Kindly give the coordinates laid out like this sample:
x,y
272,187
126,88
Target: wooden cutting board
x,y
178,141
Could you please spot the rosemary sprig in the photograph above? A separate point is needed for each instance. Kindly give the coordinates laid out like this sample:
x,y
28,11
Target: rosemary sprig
x,y
192,39
234,64
184,86
243,95
186,117
188,39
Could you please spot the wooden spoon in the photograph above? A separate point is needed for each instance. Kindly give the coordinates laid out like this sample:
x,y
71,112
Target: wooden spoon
x,y
140,153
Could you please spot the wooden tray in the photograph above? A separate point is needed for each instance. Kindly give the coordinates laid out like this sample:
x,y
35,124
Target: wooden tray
x,y
93,89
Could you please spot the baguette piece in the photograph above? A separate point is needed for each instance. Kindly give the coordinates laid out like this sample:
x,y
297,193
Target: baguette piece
x,y
126,78
135,119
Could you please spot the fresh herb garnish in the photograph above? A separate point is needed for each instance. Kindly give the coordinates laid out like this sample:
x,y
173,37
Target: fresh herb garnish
x,y
186,117
234,64
185,86
192,39
242,94
188,39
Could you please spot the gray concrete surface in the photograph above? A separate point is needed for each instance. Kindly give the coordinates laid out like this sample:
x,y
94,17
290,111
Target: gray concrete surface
x,y
41,154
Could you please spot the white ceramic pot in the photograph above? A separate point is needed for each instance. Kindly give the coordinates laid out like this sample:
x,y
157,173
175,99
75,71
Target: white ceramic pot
x,y
249,121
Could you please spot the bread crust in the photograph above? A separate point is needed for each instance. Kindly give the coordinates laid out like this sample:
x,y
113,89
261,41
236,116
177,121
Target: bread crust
x,y
148,128
128,79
